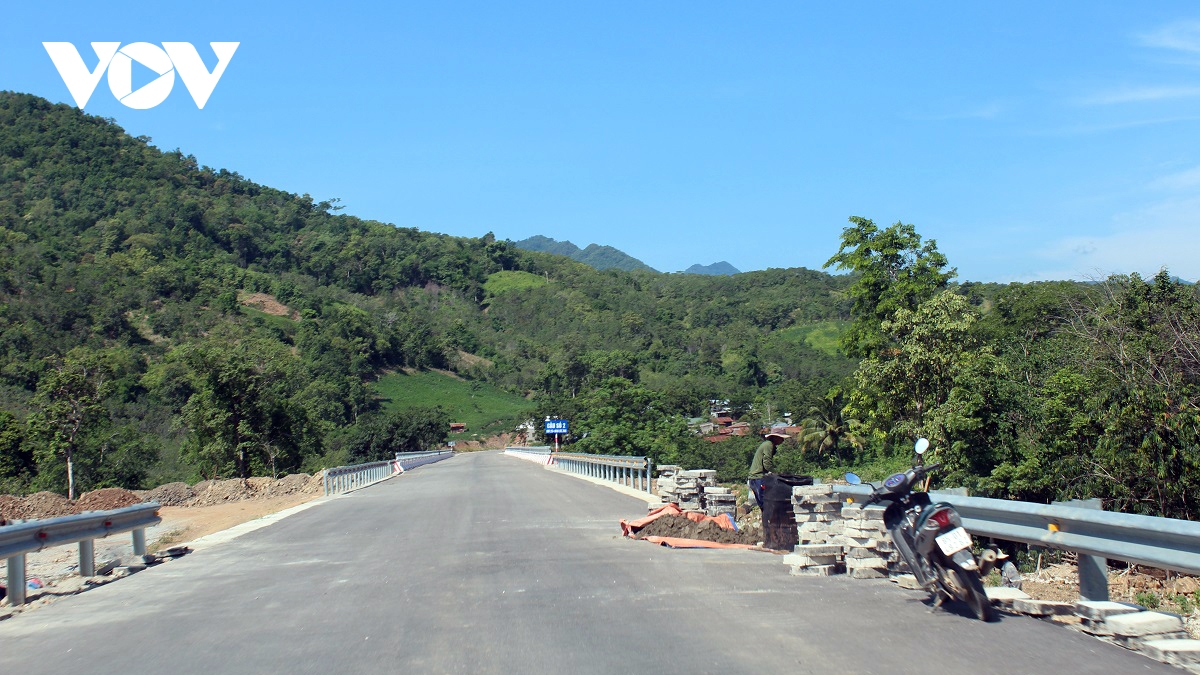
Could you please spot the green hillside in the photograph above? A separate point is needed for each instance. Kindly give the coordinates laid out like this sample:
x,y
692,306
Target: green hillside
x,y
163,318
485,409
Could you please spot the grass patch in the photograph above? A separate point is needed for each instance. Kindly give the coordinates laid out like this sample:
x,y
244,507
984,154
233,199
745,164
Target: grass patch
x,y
281,322
821,336
485,409
506,281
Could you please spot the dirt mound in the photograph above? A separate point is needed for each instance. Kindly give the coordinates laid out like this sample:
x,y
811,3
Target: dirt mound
x,y
678,526
221,491
316,484
106,499
259,484
48,505
171,494
12,508
296,483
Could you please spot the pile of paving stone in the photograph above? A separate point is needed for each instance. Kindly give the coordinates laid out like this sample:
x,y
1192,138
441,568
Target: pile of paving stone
x,y
869,550
719,500
1159,635
691,489
820,529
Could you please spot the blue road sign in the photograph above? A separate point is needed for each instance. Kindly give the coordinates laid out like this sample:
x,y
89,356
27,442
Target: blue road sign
x,y
556,426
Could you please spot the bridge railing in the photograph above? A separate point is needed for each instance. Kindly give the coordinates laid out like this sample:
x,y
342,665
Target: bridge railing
x,y
346,478
21,538
1096,535
634,472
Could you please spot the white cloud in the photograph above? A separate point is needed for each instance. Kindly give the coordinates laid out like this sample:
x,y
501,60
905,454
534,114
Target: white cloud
x,y
1181,36
1140,94
1180,181
1166,234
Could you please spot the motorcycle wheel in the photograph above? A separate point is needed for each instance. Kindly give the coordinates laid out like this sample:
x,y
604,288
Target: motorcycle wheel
x,y
966,586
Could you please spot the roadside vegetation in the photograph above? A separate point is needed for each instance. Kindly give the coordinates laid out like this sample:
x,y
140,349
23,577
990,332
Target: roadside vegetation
x,y
162,320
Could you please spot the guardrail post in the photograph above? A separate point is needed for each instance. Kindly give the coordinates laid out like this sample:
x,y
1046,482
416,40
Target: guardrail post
x,y
139,541
16,580
87,558
1093,569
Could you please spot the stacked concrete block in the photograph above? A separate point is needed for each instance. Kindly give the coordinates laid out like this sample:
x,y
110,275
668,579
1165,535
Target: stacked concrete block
x,y
719,500
815,560
1135,629
687,488
689,491
869,550
819,528
666,485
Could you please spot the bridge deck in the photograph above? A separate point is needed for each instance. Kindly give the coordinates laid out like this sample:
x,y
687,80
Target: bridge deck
x,y
488,564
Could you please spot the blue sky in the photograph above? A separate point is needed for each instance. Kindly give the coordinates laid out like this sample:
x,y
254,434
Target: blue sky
x,y
1031,140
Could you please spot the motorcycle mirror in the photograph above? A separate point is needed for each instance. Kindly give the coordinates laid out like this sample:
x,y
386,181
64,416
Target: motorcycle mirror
x,y
853,479
921,446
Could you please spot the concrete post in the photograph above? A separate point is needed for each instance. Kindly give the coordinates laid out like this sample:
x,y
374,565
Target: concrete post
x,y
87,558
16,580
139,541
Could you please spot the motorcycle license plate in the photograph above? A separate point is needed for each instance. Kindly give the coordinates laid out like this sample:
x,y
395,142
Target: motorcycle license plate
x,y
953,541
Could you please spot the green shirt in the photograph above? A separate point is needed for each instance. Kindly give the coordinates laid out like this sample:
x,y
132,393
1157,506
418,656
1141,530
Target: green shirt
x,y
764,458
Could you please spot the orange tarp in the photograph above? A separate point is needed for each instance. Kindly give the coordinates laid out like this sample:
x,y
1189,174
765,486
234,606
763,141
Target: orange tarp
x,y
628,528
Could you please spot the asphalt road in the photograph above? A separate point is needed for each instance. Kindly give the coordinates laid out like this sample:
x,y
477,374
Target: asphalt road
x,y
489,564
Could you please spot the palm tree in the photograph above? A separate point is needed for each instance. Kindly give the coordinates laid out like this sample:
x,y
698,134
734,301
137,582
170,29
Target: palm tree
x,y
826,429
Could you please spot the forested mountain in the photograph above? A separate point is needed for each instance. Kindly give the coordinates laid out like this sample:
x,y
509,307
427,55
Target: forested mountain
x,y
163,320
131,349
595,255
721,268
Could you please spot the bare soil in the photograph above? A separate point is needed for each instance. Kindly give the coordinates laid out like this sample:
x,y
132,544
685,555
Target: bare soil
x,y
266,303
678,526
227,503
187,523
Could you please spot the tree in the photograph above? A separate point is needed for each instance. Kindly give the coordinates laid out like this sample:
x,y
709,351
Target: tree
x,y
67,403
243,406
894,271
938,382
827,427
380,436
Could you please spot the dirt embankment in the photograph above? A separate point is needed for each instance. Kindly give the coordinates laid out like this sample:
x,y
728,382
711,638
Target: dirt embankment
x,y
42,505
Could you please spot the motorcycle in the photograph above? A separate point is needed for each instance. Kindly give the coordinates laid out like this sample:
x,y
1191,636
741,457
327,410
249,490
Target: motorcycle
x,y
931,539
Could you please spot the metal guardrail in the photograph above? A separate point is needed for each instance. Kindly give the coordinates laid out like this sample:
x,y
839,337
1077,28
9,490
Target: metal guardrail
x,y
631,472
1164,543
18,539
347,478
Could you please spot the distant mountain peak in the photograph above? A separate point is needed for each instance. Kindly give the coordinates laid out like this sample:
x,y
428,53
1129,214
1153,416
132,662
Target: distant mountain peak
x,y
718,269
595,255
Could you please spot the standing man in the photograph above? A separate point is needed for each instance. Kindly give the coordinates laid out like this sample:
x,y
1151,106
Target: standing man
x,y
763,464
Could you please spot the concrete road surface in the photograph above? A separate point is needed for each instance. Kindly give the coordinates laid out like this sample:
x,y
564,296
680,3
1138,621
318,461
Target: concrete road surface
x,y
488,564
